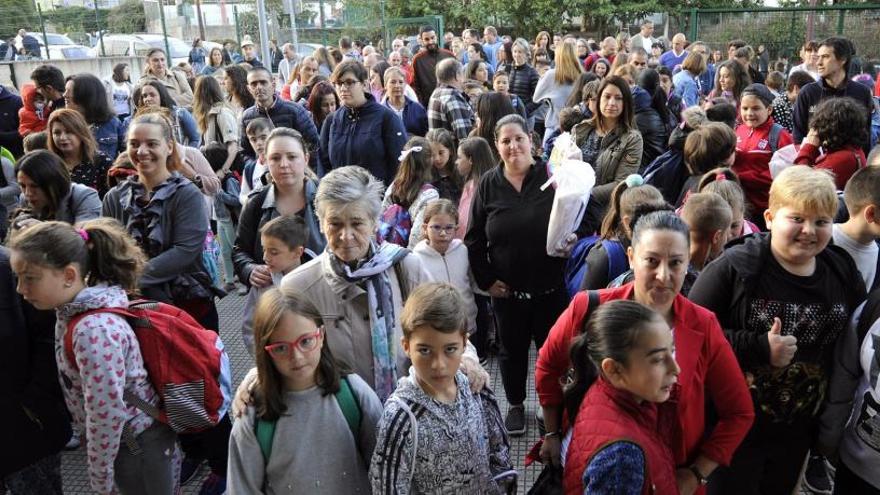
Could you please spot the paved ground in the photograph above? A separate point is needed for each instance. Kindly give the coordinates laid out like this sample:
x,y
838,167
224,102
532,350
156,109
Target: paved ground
x,y
230,309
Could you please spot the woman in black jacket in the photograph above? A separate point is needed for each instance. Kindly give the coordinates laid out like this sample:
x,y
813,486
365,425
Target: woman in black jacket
x,y
523,77
652,117
35,421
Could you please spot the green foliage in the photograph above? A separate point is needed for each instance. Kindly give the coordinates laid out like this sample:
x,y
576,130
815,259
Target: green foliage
x,y
15,15
128,17
78,19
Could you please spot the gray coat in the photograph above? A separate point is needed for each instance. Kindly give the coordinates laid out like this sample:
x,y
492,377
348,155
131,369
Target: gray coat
x,y
80,204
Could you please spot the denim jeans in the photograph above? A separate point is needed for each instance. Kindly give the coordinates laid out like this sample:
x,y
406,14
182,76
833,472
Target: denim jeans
x,y
226,233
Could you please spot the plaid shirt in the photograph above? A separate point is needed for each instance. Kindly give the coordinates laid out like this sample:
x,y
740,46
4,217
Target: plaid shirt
x,y
450,109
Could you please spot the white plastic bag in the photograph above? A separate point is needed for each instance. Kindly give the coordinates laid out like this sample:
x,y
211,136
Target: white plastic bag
x,y
564,148
782,159
574,181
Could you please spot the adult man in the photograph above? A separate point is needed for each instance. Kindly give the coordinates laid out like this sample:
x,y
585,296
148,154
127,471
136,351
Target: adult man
x,y
645,37
347,49
676,56
49,82
449,108
307,68
249,50
424,77
491,46
282,113
10,103
19,39
372,59
468,36
288,62
447,40
397,44
638,58
809,57
607,50
835,55
733,46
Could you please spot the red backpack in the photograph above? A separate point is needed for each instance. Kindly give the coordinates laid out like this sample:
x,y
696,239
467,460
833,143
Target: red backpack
x,y
186,364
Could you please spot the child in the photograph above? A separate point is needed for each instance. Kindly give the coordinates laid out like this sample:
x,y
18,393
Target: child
x,y
474,159
73,270
757,138
302,430
710,146
283,239
838,127
858,235
782,104
725,183
227,208
444,257
36,141
446,179
501,84
435,435
33,116
708,217
411,190
624,375
784,299
257,132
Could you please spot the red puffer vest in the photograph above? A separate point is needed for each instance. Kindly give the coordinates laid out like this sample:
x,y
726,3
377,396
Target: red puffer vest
x,y
608,415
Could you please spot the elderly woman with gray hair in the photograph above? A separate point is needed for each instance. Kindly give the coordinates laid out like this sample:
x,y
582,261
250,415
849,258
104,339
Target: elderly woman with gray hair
x,y
360,287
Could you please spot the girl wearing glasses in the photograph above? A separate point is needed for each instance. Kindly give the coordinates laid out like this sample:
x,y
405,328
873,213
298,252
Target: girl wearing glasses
x,y
299,396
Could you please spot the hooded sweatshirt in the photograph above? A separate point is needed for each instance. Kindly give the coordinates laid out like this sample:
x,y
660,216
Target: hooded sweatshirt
x,y
427,446
454,268
108,363
651,125
752,165
30,118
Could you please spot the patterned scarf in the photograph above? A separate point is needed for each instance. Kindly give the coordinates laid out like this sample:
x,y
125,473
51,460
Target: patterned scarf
x,y
380,298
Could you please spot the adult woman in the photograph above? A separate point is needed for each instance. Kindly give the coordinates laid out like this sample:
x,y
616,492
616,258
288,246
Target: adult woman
x,y
610,142
215,61
236,89
686,81
410,111
556,84
577,90
478,70
197,56
119,90
290,193
506,243
624,42
730,80
523,77
377,80
542,41
659,258
87,95
323,101
652,116
152,94
48,193
583,49
174,81
362,131
326,62
504,57
70,138
165,213
490,108
475,52
216,119
601,67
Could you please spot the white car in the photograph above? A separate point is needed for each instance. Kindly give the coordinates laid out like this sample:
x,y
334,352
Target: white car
x,y
137,45
61,47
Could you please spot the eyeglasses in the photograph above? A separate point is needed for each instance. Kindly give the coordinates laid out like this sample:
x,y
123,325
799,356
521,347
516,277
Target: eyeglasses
x,y
439,229
346,84
284,350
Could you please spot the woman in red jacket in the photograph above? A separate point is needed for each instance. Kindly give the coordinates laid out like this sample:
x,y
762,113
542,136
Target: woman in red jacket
x,y
838,128
709,370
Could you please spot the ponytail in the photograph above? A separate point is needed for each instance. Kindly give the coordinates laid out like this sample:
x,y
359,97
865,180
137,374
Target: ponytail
x,y
102,249
624,198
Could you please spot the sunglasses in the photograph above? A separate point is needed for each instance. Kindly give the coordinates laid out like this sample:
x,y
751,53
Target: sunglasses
x,y
284,350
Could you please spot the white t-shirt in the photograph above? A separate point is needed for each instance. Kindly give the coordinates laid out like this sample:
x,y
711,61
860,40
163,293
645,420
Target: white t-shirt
x,y
865,255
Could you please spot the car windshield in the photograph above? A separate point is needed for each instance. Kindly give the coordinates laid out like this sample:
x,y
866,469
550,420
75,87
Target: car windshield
x,y
179,49
54,39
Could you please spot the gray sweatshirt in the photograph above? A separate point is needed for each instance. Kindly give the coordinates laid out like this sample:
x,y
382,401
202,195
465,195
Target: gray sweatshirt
x,y
313,449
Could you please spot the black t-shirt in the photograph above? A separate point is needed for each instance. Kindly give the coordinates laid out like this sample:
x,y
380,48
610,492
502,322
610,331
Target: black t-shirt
x,y
814,310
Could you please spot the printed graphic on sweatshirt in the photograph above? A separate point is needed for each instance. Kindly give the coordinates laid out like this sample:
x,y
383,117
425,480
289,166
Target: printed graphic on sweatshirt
x,y
868,423
796,391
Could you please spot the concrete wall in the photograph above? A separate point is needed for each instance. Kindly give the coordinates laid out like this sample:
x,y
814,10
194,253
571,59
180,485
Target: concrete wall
x,y
18,73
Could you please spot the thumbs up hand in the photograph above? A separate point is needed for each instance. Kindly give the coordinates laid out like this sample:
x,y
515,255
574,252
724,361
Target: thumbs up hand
x,y
782,347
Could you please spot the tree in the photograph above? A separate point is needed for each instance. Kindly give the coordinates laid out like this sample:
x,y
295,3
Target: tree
x,y
15,15
127,17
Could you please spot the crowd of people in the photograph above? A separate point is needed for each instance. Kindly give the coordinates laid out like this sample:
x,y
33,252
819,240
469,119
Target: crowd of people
x,y
708,327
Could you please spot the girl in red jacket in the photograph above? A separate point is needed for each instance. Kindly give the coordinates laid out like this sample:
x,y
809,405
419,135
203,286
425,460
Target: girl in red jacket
x,y
838,128
624,362
709,372
757,138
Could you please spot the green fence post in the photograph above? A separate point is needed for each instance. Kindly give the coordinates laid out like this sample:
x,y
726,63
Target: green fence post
x,y
237,25
43,30
165,34
694,19
100,31
323,27
840,16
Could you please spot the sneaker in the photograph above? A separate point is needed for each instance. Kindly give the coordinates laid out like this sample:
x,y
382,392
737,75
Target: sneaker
x,y
74,442
188,469
515,421
229,288
214,485
816,479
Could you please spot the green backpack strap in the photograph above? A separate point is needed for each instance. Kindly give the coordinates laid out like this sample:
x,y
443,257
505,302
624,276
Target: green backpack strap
x,y
265,432
350,407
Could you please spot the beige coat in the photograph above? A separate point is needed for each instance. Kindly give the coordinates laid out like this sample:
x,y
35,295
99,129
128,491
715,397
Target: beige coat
x,y
176,84
343,306
620,155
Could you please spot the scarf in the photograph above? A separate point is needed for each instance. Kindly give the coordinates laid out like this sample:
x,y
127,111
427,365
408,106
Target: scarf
x,y
380,299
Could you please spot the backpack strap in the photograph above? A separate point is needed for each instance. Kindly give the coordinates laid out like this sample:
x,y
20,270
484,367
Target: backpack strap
x,y
773,138
870,314
402,280
264,430
593,301
350,408
617,262
71,326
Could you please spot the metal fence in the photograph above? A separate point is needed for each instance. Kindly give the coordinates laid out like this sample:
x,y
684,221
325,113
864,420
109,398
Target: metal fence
x,y
782,31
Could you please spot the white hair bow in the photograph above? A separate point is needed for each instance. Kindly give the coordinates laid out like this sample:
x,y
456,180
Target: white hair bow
x,y
405,153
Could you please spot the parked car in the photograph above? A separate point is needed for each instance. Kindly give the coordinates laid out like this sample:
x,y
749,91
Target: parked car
x,y
306,49
137,45
61,47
